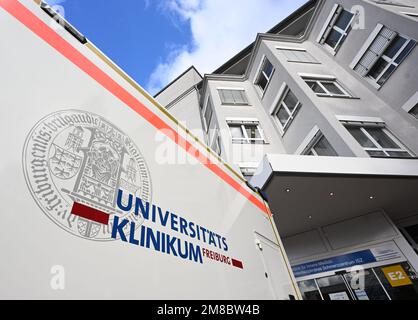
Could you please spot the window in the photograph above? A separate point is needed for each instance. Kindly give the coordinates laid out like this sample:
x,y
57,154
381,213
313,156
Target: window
x,y
414,111
336,28
327,88
216,146
208,114
246,132
264,75
286,109
411,105
297,55
320,146
385,53
233,96
377,141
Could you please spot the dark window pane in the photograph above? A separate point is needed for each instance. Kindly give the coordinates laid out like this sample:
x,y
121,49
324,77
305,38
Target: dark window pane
x,y
372,288
414,111
361,137
252,132
386,75
315,87
282,115
382,138
262,82
376,153
394,46
334,288
291,101
404,292
309,290
324,148
332,88
333,38
377,68
344,20
268,68
405,51
208,113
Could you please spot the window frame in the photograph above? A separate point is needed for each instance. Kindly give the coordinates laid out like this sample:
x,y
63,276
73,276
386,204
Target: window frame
x,y
217,143
414,111
333,80
261,72
411,104
314,141
246,103
280,103
245,139
343,33
390,61
312,59
378,148
330,22
377,31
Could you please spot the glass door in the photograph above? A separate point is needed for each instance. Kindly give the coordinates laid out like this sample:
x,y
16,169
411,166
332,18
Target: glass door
x,y
366,285
334,288
309,290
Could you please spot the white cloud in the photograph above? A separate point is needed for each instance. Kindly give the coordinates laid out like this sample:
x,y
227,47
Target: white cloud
x,y
220,29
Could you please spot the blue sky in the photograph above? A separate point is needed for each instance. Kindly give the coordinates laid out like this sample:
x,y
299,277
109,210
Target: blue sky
x,y
155,40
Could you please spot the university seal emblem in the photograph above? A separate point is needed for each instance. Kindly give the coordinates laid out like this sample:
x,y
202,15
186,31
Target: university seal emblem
x,y
76,164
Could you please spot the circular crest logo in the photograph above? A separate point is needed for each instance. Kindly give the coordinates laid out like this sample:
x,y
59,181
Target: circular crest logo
x,y
75,162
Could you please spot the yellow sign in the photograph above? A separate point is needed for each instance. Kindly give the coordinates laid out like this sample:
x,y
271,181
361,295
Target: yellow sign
x,y
396,276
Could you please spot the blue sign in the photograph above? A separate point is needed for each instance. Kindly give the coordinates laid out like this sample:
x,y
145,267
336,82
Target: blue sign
x,y
334,263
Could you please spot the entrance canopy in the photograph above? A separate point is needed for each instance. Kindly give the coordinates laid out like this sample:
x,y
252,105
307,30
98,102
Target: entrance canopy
x,y
306,192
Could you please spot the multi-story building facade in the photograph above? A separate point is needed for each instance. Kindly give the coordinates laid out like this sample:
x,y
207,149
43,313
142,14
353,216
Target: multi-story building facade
x,y
323,109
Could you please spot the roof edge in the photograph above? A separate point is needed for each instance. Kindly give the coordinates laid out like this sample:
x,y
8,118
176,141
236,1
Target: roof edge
x,y
247,50
192,67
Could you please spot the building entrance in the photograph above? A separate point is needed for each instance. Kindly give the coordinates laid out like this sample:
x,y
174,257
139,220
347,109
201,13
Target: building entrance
x,y
389,282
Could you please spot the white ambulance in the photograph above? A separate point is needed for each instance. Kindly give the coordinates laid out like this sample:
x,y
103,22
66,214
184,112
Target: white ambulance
x,y
91,207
